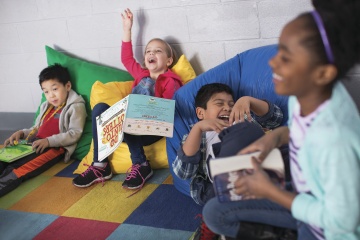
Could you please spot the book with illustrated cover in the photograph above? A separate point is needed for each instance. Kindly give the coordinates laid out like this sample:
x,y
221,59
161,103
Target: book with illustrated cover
x,y
13,153
135,114
226,171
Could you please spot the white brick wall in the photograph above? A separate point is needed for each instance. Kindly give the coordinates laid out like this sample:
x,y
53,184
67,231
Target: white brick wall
x,y
208,32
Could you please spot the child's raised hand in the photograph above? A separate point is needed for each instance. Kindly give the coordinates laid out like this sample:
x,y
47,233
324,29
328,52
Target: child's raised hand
x,y
40,145
127,18
216,125
241,107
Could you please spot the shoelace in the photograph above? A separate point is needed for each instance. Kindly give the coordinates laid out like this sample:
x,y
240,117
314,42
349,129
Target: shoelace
x,y
134,170
205,232
96,170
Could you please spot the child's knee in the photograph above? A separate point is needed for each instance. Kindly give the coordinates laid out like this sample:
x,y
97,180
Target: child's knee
x,y
99,108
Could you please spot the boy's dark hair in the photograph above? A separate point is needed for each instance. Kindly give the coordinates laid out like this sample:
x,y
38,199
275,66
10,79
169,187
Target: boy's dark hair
x,y
55,71
207,91
341,20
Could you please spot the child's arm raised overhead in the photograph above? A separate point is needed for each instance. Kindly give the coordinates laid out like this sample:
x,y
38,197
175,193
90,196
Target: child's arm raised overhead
x,y
127,18
127,55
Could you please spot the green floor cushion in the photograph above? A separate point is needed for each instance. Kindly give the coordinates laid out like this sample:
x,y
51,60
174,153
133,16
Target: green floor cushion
x,y
83,75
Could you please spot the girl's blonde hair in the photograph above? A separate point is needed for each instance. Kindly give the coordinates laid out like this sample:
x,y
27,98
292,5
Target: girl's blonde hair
x,y
170,52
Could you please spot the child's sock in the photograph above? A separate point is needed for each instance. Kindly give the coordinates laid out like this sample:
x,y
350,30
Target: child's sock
x,y
99,164
144,163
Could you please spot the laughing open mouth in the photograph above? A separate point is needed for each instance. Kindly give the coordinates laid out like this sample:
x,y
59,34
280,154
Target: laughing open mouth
x,y
277,77
224,117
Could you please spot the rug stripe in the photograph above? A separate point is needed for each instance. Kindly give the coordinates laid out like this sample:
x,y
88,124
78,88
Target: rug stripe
x,y
25,188
54,197
76,228
128,231
109,202
68,170
23,225
167,208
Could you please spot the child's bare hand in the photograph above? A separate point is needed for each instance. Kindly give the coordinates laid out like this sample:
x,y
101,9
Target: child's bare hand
x,y
216,125
127,18
241,107
40,145
256,185
15,137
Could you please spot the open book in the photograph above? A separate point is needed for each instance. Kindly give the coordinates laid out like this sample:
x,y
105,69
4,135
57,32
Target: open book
x,y
13,153
225,172
135,114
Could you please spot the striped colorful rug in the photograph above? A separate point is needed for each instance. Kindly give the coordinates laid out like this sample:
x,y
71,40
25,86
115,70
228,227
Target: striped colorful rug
x,y
50,207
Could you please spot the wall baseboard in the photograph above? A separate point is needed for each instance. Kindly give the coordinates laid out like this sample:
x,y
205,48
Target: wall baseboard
x,y
16,120
13,121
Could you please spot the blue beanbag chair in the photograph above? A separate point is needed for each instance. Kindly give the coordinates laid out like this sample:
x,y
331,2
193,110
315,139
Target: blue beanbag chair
x,y
248,74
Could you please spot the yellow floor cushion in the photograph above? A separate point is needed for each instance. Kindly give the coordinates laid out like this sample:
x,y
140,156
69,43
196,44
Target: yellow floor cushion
x,y
110,93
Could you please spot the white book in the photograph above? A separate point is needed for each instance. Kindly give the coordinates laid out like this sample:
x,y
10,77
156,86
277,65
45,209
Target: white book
x,y
226,171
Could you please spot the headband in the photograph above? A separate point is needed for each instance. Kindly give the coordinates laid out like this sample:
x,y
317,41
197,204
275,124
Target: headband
x,y
171,50
325,40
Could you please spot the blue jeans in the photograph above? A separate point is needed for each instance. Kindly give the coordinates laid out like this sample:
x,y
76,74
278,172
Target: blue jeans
x,y
225,218
135,143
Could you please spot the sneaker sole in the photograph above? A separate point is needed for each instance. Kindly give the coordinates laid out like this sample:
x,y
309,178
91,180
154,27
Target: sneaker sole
x,y
136,187
95,181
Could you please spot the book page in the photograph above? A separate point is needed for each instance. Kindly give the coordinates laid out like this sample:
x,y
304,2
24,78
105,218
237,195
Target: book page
x,y
147,115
